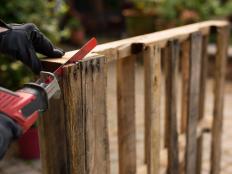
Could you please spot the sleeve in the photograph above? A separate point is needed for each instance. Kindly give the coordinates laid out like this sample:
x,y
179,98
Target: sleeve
x,y
9,131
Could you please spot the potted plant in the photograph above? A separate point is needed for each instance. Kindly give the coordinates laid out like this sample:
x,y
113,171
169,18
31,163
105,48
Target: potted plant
x,y
77,34
29,144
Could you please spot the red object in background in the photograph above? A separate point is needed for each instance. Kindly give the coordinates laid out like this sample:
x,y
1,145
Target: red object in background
x,y
29,145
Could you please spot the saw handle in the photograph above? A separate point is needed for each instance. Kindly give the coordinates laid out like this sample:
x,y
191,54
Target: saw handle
x,y
25,105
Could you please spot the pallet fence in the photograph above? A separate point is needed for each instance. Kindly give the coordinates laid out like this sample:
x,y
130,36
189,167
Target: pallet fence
x,y
74,137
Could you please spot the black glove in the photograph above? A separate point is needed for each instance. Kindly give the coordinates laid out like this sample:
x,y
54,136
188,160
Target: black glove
x,y
23,41
9,131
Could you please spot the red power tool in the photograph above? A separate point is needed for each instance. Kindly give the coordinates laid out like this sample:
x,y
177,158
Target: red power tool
x,y
25,105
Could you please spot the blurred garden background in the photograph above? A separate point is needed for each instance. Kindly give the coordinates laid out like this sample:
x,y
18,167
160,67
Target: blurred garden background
x,y
69,23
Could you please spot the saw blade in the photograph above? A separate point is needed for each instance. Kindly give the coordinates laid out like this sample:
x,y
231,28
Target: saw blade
x,y
79,55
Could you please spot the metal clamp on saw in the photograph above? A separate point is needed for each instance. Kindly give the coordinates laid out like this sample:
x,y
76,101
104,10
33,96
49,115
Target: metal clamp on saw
x,y
25,105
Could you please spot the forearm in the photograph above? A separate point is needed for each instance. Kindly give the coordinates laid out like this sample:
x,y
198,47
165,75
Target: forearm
x,y
9,131
22,42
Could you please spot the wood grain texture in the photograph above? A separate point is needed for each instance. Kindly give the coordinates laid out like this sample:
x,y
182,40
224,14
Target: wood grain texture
x,y
222,46
74,133
97,142
154,54
171,61
52,136
84,93
179,33
203,125
202,95
185,56
75,118
193,102
165,54
126,115
114,50
147,101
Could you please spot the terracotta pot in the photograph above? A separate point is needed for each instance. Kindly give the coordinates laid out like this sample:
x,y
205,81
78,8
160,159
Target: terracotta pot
x,y
78,36
29,145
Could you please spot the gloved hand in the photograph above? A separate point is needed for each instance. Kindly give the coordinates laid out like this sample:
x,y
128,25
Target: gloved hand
x,y
22,41
9,131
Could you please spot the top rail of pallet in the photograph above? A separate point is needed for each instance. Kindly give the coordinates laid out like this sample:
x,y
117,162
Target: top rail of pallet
x,y
125,47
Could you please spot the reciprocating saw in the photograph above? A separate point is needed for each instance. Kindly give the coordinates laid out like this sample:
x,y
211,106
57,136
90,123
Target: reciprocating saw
x,y
25,105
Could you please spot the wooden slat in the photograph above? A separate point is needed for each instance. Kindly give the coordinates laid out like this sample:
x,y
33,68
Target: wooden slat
x,y
147,101
98,150
203,78
222,46
205,124
178,33
185,83
193,102
53,148
152,67
75,118
164,55
171,106
113,50
126,115
185,56
155,111
87,89
75,154
80,126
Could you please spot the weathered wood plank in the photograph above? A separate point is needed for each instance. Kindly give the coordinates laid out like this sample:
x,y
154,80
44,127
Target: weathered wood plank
x,y
154,164
71,155
178,33
202,95
113,50
97,143
126,115
53,148
75,118
147,101
185,56
165,54
90,123
204,125
171,105
152,67
222,46
193,102
100,96
84,89
87,98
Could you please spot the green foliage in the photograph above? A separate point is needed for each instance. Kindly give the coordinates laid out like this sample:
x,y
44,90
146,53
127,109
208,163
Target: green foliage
x,y
171,13
184,11
45,15
13,74
146,6
40,12
74,23
167,9
200,9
